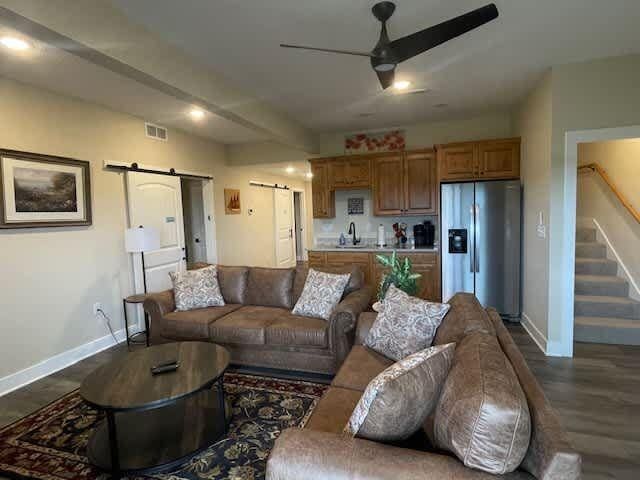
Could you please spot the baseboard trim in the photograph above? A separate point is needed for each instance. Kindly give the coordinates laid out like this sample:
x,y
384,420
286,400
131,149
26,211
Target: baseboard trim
x,y
539,339
58,362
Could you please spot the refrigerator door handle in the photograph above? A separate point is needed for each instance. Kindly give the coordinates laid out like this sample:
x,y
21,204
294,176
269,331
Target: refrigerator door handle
x,y
471,240
477,232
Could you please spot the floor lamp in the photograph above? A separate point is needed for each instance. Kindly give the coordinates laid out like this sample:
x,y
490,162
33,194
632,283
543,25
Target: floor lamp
x,y
140,240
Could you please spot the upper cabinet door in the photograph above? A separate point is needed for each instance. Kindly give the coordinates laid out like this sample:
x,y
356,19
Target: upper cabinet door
x,y
499,159
388,184
458,161
323,205
350,172
420,183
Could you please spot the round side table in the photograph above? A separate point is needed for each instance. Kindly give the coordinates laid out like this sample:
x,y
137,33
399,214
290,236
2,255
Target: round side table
x,y
133,339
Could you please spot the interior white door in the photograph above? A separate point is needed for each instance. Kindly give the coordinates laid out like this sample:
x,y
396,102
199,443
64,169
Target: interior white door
x,y
284,225
156,201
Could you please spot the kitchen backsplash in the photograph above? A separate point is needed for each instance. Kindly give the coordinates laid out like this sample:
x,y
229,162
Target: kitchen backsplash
x,y
327,231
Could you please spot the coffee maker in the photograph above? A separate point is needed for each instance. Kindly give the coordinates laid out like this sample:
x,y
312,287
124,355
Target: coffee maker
x,y
424,234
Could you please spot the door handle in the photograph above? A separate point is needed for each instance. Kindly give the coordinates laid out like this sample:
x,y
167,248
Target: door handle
x,y
477,253
471,240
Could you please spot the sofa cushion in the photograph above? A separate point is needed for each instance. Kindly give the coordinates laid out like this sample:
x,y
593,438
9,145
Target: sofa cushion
x,y
360,367
466,316
321,294
482,416
405,324
193,324
294,330
333,410
196,288
397,401
233,283
270,287
245,326
356,280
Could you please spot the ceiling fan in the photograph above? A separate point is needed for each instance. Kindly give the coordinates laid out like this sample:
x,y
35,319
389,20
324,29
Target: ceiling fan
x,y
387,54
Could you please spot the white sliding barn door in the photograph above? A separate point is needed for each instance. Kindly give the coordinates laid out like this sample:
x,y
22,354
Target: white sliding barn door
x,y
156,201
284,225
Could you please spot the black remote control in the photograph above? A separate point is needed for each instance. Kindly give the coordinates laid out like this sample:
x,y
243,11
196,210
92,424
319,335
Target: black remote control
x,y
164,367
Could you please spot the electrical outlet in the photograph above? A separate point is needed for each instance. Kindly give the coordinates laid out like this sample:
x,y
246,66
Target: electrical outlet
x,y
96,307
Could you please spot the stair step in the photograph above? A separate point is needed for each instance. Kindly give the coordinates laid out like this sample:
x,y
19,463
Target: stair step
x,y
590,250
620,331
605,285
596,266
585,234
606,306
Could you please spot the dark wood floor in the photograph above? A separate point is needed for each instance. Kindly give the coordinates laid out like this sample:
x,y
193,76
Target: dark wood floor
x,y
597,394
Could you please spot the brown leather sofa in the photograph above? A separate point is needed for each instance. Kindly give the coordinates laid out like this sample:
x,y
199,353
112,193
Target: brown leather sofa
x,y
321,451
256,324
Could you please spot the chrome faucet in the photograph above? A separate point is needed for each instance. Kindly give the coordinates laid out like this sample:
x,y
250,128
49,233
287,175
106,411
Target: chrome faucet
x,y
352,231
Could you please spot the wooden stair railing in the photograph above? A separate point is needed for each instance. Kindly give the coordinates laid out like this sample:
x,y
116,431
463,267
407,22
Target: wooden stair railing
x,y
594,167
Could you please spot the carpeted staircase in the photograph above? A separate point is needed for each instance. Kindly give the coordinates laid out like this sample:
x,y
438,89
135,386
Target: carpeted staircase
x,y
604,313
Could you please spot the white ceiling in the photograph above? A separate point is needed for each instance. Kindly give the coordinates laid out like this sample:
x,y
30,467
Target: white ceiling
x,y
490,68
56,70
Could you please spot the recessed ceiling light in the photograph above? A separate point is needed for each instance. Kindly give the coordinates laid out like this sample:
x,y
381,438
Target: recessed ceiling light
x,y
196,114
365,114
290,169
441,105
14,43
309,175
401,84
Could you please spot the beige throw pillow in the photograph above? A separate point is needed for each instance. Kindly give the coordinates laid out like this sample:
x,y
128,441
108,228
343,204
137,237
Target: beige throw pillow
x,y
196,289
396,403
405,324
321,294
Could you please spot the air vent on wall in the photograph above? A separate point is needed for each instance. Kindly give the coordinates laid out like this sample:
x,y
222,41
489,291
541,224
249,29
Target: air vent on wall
x,y
156,131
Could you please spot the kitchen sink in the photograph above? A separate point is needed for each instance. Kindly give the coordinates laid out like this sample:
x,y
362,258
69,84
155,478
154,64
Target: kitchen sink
x,y
351,246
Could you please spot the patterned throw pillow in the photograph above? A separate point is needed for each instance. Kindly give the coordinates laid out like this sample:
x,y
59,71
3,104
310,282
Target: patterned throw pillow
x,y
405,324
196,289
321,293
396,403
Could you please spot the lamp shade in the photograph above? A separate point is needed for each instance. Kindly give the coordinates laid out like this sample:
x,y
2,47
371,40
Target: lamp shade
x,y
141,239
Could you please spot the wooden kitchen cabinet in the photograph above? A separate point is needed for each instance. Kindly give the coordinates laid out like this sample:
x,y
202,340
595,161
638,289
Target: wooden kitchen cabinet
x,y
388,184
425,263
405,183
350,172
483,160
323,197
499,159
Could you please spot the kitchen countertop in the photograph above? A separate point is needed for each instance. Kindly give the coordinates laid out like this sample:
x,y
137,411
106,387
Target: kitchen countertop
x,y
372,248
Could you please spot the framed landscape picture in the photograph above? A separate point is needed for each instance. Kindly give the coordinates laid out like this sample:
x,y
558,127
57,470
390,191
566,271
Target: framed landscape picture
x,y
43,191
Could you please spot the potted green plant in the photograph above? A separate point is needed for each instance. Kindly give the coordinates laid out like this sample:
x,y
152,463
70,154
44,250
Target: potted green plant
x,y
400,274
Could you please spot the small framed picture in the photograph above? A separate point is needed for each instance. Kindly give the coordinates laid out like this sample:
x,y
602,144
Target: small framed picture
x,y
43,191
232,201
355,206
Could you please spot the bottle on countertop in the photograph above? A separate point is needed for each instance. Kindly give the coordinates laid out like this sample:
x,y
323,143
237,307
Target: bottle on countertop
x,y
343,240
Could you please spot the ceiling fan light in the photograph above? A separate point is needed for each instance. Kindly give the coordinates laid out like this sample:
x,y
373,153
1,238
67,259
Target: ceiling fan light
x,y
384,67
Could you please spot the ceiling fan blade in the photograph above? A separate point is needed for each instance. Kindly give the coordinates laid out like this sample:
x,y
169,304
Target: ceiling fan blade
x,y
386,78
328,50
407,47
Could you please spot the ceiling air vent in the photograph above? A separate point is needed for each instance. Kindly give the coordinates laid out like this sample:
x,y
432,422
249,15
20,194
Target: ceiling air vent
x,y
155,131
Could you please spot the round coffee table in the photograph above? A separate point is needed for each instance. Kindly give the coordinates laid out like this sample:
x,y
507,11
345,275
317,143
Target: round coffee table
x,y
157,422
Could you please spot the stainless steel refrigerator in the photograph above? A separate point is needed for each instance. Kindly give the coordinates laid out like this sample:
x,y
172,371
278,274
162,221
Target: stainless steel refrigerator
x,y
480,241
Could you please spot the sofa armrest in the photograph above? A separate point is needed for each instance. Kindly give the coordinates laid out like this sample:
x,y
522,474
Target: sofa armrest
x,y
157,305
343,320
365,322
313,455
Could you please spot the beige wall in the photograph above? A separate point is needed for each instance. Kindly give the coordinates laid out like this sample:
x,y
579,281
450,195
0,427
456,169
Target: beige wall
x,y
589,95
422,135
53,276
621,160
533,125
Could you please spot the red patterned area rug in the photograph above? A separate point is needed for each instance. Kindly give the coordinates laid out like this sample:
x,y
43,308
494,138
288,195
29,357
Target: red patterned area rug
x,y
50,444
